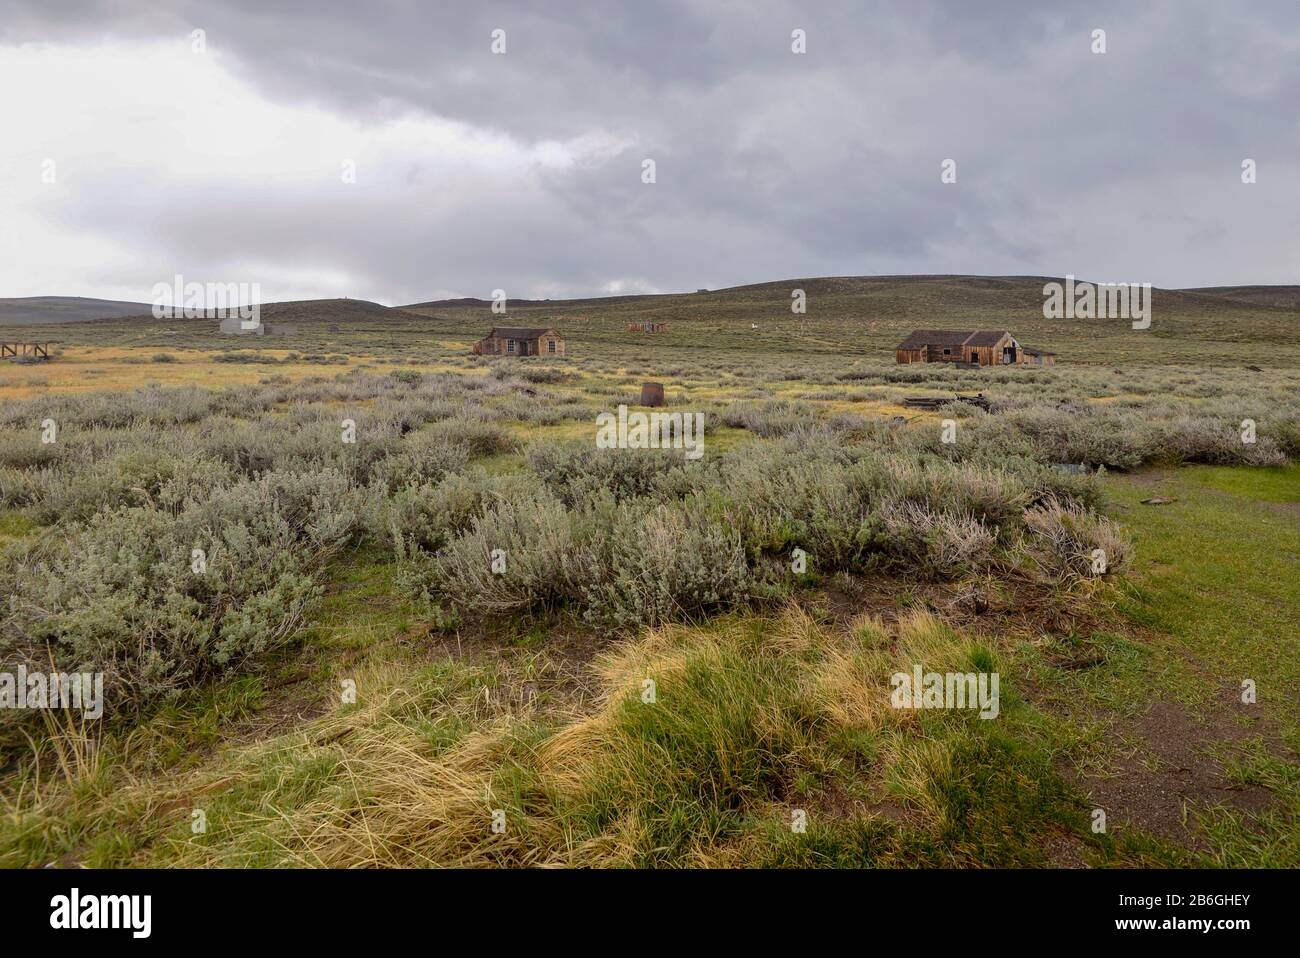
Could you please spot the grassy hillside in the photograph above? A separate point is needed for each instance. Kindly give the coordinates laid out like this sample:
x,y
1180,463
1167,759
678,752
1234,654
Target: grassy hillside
x,y
320,322
353,313
45,310
1287,297
870,315
848,319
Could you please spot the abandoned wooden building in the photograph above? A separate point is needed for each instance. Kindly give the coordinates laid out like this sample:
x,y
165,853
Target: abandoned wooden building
x,y
978,347
646,327
235,326
517,341
238,326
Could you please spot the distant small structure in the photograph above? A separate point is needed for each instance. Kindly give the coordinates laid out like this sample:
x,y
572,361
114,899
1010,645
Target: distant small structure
x,y
234,326
964,347
519,341
652,394
646,327
29,351
701,291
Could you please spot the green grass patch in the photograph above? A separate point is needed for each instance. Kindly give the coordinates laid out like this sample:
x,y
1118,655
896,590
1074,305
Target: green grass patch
x,y
1219,571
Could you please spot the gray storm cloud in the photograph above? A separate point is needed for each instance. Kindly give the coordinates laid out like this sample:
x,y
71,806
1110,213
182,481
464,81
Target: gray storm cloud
x,y
1122,166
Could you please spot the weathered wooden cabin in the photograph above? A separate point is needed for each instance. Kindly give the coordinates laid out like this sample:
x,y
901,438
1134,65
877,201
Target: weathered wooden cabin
x,y
979,347
646,327
517,341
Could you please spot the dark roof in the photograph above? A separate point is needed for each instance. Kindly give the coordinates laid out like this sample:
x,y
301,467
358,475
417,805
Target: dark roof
x,y
519,332
986,337
952,337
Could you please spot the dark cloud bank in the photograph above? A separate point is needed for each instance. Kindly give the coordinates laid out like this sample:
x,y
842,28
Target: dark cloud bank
x,y
1123,166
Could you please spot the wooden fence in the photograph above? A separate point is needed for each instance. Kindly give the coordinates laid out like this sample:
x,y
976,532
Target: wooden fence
x,y
15,350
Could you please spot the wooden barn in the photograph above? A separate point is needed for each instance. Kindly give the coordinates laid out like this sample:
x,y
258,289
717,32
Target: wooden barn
x,y
979,347
517,341
646,327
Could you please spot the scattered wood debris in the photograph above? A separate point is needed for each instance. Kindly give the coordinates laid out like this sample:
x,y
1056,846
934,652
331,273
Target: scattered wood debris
x,y
934,402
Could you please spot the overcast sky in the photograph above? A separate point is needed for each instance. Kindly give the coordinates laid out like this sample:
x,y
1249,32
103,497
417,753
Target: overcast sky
x,y
524,170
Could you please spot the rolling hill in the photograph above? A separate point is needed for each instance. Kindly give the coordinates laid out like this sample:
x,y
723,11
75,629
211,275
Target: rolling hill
x,y
340,312
876,312
881,296
851,316
1285,296
45,310
315,324
42,310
